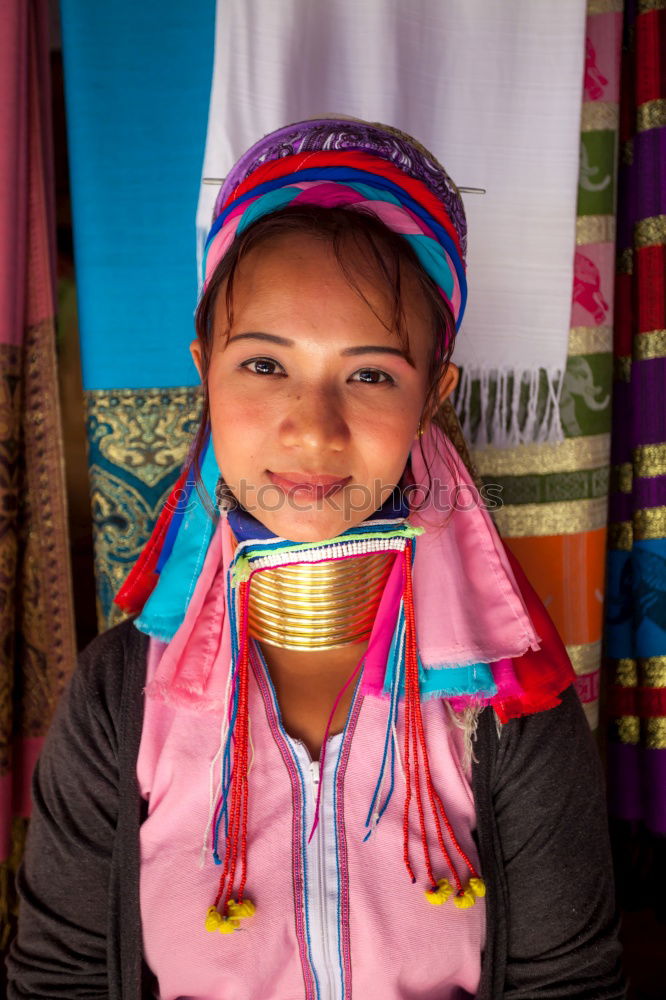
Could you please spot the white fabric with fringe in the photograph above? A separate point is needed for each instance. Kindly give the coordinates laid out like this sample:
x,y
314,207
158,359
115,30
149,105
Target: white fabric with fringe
x,y
494,90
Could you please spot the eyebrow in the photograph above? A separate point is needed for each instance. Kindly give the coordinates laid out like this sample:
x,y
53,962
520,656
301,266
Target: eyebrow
x,y
273,338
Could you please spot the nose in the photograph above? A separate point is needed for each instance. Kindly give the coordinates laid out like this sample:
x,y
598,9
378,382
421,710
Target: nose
x,y
315,421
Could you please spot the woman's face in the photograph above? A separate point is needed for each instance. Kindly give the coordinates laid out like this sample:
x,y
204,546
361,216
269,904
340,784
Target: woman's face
x,y
313,405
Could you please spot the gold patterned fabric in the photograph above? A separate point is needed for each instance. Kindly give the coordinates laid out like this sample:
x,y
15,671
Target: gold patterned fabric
x,y
652,114
590,340
604,7
137,441
650,232
650,345
644,6
586,452
621,535
567,518
599,116
595,229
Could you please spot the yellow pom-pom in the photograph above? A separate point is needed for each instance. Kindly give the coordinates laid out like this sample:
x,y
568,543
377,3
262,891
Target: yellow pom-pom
x,y
464,899
444,888
216,922
213,919
241,910
478,887
434,896
440,894
229,925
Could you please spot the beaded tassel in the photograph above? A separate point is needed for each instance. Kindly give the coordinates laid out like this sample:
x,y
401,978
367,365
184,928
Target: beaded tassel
x,y
415,753
226,913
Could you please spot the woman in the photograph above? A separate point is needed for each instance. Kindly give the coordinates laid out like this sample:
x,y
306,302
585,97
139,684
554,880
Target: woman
x,y
360,767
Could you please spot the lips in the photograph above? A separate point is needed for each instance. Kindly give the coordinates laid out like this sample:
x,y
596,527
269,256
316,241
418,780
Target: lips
x,y
315,486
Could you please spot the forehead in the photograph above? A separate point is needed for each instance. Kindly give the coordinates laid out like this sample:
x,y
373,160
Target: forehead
x,y
301,272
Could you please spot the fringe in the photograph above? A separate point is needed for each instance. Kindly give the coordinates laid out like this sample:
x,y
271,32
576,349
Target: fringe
x,y
510,406
468,721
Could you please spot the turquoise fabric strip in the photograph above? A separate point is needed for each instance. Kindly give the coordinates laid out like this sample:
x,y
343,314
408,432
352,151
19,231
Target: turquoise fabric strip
x,y
448,682
428,251
165,609
444,682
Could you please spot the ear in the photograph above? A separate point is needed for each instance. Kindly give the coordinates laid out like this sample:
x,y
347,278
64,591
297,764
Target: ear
x,y
448,382
195,351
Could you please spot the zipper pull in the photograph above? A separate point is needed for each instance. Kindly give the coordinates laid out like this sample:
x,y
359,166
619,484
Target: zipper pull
x,y
314,771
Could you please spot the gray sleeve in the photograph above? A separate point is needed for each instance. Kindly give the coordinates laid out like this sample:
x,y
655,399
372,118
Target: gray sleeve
x,y
562,924
61,947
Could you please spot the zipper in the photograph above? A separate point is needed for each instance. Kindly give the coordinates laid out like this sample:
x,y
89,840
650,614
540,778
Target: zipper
x,y
322,899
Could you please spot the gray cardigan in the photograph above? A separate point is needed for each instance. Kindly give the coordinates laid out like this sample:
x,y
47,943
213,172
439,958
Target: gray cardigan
x,y
541,833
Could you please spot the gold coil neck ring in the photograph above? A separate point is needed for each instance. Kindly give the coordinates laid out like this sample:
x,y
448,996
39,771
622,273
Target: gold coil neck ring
x,y
310,606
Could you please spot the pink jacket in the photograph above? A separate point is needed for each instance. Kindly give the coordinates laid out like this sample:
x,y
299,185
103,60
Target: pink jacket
x,y
333,916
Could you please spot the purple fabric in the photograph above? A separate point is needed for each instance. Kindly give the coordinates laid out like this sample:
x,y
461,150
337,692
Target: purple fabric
x,y
643,184
622,430
624,794
649,492
648,382
645,493
639,789
635,606
347,133
649,173
640,424
625,218
654,778
621,507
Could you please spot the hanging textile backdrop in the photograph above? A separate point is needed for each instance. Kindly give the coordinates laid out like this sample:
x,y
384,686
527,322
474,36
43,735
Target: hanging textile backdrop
x,y
37,652
136,117
636,612
555,495
493,90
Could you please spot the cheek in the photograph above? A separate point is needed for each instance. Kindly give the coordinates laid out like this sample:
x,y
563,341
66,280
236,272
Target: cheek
x,y
239,430
386,439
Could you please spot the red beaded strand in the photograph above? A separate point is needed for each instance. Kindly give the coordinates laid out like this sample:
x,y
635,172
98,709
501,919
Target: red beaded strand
x,y
411,713
237,827
408,792
414,733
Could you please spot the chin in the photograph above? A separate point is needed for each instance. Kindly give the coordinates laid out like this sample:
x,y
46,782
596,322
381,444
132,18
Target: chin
x,y
310,526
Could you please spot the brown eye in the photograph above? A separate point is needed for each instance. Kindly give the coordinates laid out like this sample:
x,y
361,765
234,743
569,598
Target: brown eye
x,y
263,366
372,376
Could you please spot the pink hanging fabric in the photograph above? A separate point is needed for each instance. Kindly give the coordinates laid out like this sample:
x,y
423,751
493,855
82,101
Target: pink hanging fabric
x,y
36,614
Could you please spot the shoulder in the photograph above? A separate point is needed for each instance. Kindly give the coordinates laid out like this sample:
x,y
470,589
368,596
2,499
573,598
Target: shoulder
x,y
545,763
108,658
119,641
550,742
559,731
110,672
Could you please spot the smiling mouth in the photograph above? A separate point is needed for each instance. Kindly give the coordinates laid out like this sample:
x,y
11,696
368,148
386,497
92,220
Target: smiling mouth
x,y
315,486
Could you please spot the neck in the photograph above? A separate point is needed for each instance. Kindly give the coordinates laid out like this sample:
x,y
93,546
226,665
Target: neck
x,y
319,666
307,685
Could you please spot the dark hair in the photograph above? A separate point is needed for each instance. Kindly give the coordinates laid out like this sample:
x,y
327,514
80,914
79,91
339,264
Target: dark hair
x,y
389,256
